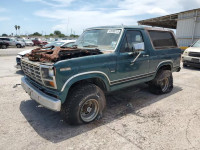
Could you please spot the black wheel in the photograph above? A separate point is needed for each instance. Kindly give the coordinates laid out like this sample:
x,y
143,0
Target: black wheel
x,y
184,65
3,46
162,83
18,46
84,104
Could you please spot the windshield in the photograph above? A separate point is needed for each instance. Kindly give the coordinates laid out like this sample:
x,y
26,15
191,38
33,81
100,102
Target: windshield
x,y
102,39
196,44
55,44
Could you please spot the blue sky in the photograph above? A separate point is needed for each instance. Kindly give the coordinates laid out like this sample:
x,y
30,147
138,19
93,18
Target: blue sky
x,y
45,16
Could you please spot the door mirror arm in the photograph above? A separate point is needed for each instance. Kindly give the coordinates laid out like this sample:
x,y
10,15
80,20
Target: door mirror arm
x,y
133,61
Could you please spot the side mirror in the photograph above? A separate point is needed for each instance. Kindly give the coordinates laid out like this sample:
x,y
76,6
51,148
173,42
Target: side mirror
x,y
190,45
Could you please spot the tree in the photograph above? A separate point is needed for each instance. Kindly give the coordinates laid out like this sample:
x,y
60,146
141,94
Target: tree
x,y
51,34
61,35
4,34
36,34
16,28
74,36
57,32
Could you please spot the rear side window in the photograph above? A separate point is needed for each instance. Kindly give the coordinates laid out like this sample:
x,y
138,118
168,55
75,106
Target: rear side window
x,y
5,39
162,39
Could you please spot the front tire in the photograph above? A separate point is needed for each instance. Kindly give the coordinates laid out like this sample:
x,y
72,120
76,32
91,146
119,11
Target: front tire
x,y
4,46
84,104
162,83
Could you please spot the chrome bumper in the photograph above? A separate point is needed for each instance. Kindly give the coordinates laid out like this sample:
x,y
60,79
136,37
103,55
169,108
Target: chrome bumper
x,y
42,98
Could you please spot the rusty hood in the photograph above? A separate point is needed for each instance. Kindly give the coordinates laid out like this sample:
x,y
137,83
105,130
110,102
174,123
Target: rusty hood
x,y
54,54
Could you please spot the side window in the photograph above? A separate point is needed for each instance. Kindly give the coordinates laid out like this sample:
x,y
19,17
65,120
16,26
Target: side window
x,y
6,39
162,39
133,40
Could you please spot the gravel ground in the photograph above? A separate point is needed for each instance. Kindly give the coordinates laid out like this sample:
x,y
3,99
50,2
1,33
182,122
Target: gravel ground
x,y
134,118
12,51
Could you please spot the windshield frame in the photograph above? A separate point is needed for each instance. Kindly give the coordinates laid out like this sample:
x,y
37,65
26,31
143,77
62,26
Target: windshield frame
x,y
118,41
195,43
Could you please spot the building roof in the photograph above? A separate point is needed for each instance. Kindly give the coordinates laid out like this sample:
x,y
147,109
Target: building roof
x,y
168,21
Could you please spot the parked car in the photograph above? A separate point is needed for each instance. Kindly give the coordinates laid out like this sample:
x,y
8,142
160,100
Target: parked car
x,y
13,42
103,59
27,42
191,56
38,42
20,55
64,43
3,44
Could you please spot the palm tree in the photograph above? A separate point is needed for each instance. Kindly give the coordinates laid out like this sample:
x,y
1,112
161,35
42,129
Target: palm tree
x,y
16,28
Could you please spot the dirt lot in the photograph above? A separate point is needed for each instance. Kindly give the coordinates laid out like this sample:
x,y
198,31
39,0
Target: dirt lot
x,y
12,51
134,118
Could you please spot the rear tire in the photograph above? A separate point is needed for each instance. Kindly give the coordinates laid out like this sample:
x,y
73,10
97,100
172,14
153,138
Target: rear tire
x,y
18,46
184,65
84,104
162,83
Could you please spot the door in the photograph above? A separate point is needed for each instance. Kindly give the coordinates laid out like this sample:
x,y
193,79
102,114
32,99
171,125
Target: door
x,y
12,42
133,59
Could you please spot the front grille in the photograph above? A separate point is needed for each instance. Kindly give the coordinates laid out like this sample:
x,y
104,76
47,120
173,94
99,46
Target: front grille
x,y
194,54
32,70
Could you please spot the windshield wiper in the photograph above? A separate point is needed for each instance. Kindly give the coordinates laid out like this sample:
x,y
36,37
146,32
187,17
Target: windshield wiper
x,y
90,46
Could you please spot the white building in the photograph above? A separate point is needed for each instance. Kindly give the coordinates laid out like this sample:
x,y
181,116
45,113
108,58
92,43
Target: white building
x,y
187,25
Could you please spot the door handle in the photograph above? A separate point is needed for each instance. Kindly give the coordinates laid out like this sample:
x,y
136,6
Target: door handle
x,y
145,55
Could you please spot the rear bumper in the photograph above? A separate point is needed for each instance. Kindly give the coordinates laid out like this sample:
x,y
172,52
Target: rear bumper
x,y
40,97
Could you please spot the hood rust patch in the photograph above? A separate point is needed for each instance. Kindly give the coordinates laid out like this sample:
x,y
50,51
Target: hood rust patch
x,y
53,54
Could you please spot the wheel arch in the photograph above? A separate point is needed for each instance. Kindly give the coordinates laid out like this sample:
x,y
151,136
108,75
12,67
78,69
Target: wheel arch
x,y
165,65
99,79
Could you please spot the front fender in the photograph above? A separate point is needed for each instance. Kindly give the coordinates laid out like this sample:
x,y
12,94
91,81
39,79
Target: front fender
x,y
83,76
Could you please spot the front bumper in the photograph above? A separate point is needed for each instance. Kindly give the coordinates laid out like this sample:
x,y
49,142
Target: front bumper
x,y
29,44
192,61
40,97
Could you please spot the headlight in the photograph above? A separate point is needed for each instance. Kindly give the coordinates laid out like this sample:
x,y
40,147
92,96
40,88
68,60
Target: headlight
x,y
185,53
51,73
48,76
47,73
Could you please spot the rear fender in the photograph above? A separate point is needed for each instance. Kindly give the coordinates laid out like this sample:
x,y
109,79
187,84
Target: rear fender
x,y
165,63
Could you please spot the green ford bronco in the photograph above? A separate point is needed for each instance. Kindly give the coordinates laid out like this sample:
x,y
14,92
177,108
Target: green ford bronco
x,y
74,80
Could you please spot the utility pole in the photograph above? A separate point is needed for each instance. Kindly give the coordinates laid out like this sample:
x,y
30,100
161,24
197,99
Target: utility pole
x,y
67,25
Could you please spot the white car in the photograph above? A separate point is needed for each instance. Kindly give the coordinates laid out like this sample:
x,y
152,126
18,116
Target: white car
x,y
28,42
191,56
67,43
13,42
